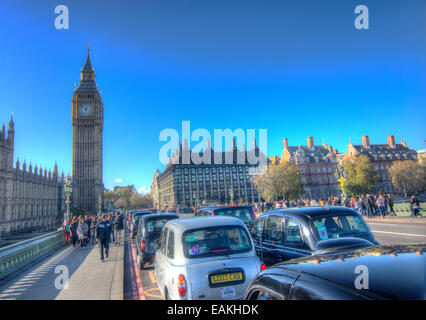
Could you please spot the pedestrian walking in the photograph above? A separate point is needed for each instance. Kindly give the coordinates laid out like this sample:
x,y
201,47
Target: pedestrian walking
x,y
103,234
82,232
390,206
73,229
119,226
380,202
93,230
67,226
415,202
88,221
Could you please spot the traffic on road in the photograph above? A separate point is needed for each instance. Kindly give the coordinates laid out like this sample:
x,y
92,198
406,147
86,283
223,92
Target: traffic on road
x,y
229,252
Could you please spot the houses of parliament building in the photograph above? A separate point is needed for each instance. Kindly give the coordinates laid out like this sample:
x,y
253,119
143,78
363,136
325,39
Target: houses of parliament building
x,y
32,198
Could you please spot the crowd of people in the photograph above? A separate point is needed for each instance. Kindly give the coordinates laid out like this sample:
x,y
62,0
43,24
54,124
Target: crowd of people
x,y
101,229
369,205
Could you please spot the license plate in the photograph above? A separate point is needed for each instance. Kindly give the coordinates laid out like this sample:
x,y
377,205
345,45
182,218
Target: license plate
x,y
223,278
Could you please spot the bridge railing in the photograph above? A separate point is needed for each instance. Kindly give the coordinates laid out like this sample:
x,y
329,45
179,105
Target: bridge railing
x,y
20,254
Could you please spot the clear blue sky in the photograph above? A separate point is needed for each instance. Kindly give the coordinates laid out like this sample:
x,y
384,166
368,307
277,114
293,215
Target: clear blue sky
x,y
295,68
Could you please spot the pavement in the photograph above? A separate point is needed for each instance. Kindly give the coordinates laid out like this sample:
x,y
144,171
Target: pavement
x,y
393,219
89,278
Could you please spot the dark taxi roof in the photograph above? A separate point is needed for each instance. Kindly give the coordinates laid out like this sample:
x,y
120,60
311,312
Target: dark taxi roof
x,y
394,272
311,212
159,216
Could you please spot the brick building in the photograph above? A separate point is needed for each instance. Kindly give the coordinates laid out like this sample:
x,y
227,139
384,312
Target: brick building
x,y
317,163
382,156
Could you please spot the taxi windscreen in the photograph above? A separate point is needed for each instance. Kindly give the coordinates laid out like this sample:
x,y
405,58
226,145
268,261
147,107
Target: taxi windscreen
x,y
337,226
215,241
243,213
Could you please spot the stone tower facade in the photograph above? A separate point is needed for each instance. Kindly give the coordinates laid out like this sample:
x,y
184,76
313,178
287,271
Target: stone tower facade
x,y
30,198
87,123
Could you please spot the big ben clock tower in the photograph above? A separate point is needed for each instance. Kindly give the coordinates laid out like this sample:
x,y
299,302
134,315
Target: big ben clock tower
x,y
87,125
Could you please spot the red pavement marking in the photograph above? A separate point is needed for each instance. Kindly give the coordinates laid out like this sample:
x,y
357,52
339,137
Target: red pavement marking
x,y
136,269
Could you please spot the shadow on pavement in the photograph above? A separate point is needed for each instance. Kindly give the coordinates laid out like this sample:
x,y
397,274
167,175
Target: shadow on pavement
x,y
40,282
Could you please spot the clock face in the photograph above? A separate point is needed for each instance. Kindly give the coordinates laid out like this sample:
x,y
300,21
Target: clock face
x,y
85,109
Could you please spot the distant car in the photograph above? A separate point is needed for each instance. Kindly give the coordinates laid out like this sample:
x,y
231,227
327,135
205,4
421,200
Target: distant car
x,y
149,231
380,272
244,213
205,258
135,222
152,210
281,235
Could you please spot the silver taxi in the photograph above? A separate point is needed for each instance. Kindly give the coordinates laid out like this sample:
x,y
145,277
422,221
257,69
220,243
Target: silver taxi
x,y
205,258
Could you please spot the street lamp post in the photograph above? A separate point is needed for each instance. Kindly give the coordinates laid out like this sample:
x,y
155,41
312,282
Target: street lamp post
x,y
341,175
99,205
68,191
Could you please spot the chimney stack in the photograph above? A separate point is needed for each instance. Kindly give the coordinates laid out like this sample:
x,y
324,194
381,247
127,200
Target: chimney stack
x,y
310,142
285,143
391,141
365,141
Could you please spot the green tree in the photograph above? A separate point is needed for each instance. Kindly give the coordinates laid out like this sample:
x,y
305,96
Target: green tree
x,y
361,177
409,176
282,181
122,203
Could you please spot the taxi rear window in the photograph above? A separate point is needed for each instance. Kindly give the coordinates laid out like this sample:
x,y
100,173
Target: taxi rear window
x,y
216,241
155,225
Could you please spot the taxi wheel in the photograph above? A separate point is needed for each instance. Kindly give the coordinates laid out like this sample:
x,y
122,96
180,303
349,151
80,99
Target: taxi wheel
x,y
166,294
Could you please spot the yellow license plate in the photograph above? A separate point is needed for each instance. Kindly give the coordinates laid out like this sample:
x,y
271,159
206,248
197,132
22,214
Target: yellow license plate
x,y
226,277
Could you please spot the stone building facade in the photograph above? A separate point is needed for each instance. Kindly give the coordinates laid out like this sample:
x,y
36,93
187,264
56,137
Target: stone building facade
x,y
155,190
186,185
382,157
30,198
317,164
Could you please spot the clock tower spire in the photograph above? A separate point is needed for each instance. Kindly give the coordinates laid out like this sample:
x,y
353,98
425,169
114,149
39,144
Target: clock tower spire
x,y
87,122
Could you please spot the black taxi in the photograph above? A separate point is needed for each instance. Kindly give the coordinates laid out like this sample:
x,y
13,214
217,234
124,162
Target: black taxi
x,y
285,234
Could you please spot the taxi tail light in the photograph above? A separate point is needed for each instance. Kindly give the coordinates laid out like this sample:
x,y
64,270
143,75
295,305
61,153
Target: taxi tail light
x,y
181,285
255,216
143,245
213,213
263,267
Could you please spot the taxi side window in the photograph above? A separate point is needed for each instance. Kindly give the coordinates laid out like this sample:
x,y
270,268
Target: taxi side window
x,y
273,230
171,245
292,234
258,228
164,240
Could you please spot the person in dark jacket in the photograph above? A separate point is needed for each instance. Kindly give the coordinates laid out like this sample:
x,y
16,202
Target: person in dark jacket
x,y
119,225
103,234
369,205
390,205
73,229
415,202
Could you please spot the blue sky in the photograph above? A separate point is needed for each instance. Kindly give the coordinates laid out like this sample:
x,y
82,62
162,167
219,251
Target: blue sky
x,y
295,68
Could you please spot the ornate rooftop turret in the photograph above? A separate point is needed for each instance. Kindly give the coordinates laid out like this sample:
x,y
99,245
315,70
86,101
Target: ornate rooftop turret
x,y
3,133
11,130
55,170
